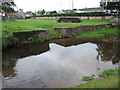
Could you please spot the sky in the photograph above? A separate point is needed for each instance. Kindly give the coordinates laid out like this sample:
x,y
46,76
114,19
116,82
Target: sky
x,y
51,5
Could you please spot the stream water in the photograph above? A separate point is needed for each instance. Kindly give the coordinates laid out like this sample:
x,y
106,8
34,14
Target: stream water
x,y
57,64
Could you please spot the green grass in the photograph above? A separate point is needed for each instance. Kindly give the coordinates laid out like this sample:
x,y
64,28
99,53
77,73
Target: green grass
x,y
37,40
38,24
87,78
109,72
8,40
8,27
103,74
108,82
103,32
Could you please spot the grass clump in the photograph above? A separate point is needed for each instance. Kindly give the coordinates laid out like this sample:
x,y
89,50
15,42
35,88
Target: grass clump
x,y
108,82
87,78
9,40
109,72
99,33
37,40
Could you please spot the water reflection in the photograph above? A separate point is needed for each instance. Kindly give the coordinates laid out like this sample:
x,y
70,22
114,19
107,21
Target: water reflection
x,y
108,52
59,67
10,56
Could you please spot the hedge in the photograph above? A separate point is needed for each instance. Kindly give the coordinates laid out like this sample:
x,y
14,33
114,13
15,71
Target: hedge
x,y
75,14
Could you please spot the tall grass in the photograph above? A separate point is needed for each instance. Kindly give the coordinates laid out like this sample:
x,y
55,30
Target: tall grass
x,y
109,72
102,32
37,40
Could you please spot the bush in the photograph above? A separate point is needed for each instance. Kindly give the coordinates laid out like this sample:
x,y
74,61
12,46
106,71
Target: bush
x,y
37,40
9,40
108,72
87,78
74,14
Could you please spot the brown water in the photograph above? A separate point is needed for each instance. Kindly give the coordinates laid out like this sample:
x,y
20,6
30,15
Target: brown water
x,y
59,64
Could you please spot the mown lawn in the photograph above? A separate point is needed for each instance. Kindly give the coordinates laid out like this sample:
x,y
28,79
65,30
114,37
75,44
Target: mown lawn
x,y
108,82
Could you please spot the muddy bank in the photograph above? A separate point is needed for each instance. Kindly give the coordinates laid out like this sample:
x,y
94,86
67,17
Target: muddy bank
x,y
83,40
107,39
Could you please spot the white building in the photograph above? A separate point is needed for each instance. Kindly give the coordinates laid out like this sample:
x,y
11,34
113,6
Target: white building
x,y
21,14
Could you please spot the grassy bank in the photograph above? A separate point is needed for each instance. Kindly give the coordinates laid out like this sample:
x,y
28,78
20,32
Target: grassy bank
x,y
109,80
8,27
99,33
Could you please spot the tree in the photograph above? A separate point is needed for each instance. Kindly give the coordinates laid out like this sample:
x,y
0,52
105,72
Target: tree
x,y
43,12
112,6
29,13
39,12
8,7
53,12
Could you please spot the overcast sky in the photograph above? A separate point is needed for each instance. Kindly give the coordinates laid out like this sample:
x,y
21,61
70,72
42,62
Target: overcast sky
x,y
50,5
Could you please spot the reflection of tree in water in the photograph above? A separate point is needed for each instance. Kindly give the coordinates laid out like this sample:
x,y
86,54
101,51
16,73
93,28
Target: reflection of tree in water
x,y
108,52
8,70
11,55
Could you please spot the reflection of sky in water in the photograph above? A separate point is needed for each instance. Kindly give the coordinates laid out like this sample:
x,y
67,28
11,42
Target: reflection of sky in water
x,y
59,67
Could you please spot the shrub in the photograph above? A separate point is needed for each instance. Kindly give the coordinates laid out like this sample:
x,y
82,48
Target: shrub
x,y
37,40
74,14
9,40
108,72
87,78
